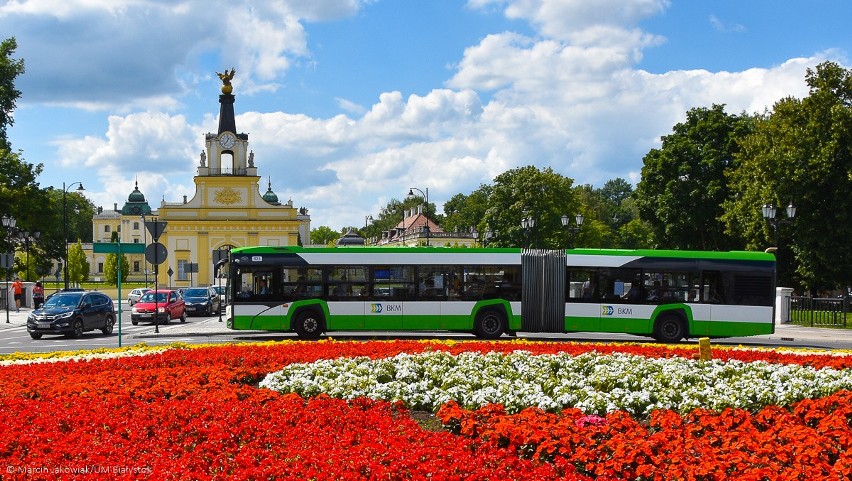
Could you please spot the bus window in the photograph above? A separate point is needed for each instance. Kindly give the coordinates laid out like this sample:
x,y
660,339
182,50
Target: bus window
x,y
665,287
345,282
712,290
393,282
582,285
615,283
438,282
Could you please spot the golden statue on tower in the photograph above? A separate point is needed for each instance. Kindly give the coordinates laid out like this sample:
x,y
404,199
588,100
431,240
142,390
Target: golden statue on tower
x,y
226,77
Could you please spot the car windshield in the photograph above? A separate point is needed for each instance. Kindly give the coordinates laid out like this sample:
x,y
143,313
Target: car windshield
x,y
195,293
219,289
149,297
63,300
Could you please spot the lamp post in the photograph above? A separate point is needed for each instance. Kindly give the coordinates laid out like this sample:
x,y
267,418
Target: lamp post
x,y
27,238
9,225
572,230
367,220
145,243
426,198
769,213
65,222
528,223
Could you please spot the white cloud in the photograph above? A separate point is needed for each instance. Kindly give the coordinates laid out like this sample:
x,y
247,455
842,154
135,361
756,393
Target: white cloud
x,y
569,96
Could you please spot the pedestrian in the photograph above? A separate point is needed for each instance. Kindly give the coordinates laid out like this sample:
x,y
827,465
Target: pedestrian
x,y
17,290
38,295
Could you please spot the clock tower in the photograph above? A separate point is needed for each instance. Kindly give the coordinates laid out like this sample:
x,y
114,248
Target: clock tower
x,y
228,209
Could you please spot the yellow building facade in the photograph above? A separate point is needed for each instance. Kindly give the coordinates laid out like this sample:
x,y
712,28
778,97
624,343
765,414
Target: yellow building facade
x,y
227,210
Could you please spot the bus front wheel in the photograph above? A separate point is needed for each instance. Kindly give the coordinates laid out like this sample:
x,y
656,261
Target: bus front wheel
x,y
308,325
669,329
489,324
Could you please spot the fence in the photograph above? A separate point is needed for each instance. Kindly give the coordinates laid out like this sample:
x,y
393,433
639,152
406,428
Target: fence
x,y
816,311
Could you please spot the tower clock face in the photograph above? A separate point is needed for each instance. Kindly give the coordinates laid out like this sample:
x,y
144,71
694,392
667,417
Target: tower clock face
x,y
227,140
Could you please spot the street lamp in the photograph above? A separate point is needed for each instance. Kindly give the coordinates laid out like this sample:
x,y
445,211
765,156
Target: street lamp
x,y
65,222
769,213
9,259
426,198
28,237
572,230
528,223
367,220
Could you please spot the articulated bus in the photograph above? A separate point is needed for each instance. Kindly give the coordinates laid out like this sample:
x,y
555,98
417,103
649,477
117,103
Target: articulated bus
x,y
668,295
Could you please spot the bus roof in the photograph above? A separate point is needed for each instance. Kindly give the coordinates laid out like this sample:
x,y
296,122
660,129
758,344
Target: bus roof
x,y
579,253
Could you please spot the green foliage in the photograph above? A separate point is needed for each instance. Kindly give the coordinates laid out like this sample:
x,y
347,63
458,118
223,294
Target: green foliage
x,y
78,266
465,212
801,153
10,68
324,235
529,192
111,269
684,184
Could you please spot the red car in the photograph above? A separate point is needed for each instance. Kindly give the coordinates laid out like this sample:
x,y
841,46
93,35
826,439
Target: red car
x,y
168,305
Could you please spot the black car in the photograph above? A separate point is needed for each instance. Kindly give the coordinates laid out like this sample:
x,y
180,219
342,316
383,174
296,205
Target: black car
x,y
72,313
201,300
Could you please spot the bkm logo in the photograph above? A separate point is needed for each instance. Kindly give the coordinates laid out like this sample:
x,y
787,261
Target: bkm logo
x,y
607,310
375,308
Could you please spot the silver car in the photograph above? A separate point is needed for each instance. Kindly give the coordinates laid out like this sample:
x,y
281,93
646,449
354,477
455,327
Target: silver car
x,y
135,294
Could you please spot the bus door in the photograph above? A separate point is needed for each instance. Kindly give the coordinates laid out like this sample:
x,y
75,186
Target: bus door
x,y
391,287
348,299
582,301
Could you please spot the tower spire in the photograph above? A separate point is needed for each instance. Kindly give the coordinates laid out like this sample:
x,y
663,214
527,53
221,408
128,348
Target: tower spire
x,y
226,103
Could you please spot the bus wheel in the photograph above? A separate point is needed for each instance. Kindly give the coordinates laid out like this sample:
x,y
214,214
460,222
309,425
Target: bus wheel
x,y
489,324
308,325
669,328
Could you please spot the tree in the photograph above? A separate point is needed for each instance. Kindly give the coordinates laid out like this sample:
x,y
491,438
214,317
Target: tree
x,y
324,235
684,184
527,192
801,153
78,266
111,269
9,95
464,212
20,196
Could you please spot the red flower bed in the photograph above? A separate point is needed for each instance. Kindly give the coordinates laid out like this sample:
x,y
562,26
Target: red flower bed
x,y
196,414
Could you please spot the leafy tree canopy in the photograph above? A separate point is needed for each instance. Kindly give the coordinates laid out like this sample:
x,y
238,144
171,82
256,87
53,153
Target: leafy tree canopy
x,y
684,183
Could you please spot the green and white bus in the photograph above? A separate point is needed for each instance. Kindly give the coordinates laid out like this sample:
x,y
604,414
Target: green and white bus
x,y
665,294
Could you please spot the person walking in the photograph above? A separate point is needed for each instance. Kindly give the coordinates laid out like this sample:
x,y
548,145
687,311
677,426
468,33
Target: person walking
x,y
17,290
38,295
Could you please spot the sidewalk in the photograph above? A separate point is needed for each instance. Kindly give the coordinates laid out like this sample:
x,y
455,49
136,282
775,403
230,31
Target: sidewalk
x,y
208,327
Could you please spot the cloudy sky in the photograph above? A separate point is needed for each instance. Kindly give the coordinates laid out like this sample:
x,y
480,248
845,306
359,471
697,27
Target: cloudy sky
x,y
349,103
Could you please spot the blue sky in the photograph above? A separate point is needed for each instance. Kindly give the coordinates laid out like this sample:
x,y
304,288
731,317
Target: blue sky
x,y
349,103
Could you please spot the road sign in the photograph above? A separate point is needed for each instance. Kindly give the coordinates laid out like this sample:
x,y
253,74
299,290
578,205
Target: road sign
x,y
155,228
191,267
113,248
7,261
156,253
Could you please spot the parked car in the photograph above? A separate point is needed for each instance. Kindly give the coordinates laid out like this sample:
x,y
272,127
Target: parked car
x,y
136,294
161,306
201,300
220,291
72,313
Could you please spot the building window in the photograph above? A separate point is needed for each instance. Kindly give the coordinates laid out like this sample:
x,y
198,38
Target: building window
x,y
182,270
135,226
106,228
135,266
100,267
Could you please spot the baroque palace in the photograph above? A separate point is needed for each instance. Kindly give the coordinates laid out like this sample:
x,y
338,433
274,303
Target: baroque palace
x,y
227,210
